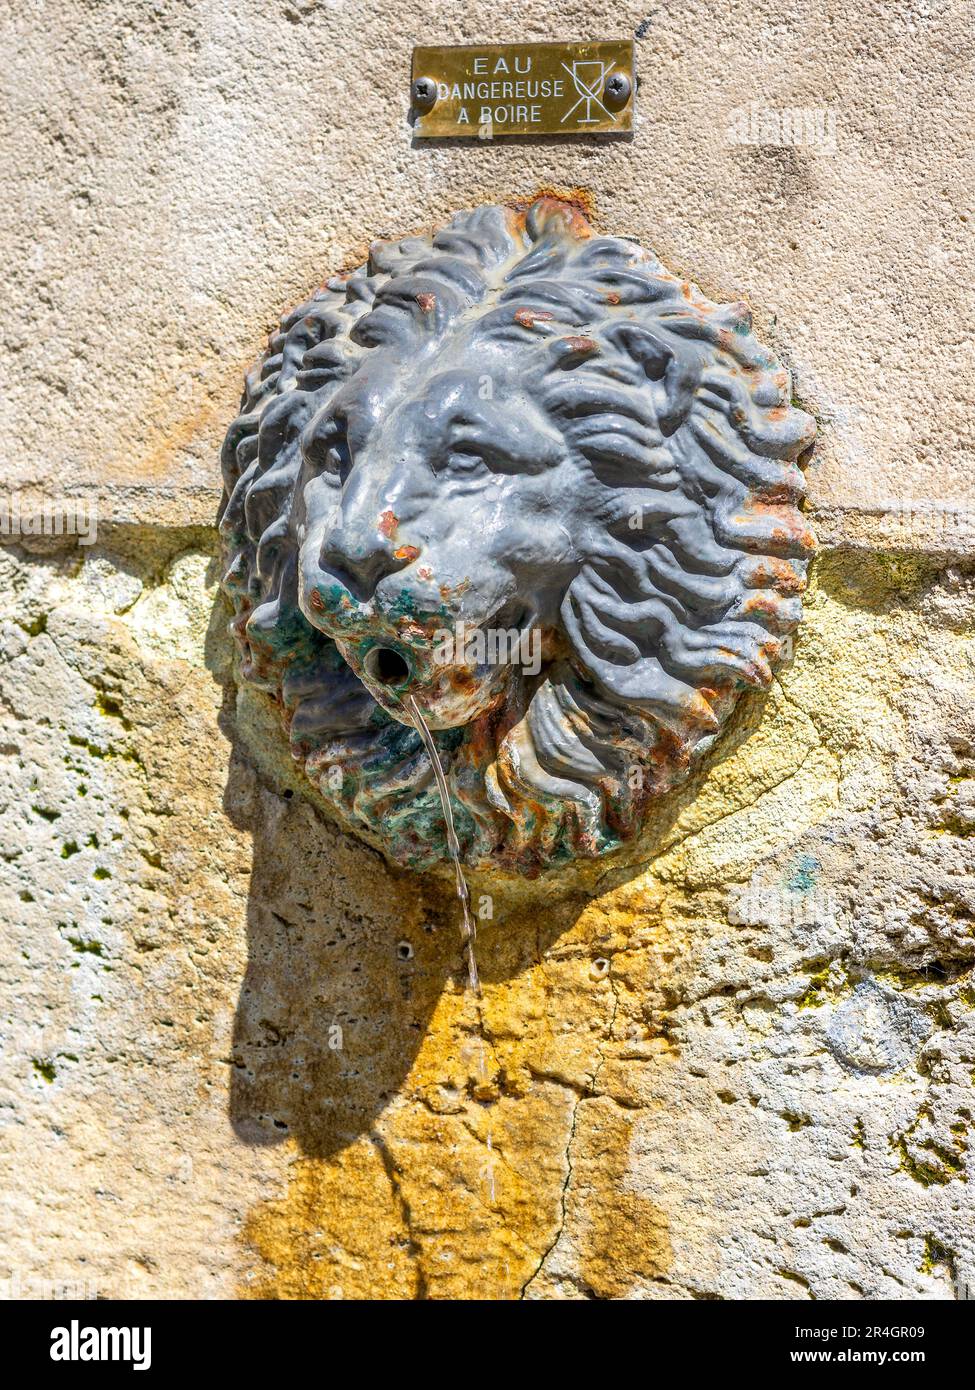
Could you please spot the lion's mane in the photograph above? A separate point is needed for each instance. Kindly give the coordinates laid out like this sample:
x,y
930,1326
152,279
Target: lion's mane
x,y
691,587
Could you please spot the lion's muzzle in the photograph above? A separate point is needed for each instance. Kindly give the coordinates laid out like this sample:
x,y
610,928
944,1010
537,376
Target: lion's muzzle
x,y
450,694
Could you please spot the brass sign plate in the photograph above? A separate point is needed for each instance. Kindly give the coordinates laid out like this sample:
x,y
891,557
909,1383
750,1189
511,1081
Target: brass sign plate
x,y
490,89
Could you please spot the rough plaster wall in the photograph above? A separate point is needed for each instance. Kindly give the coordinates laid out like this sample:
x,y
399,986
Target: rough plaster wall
x,y
687,1089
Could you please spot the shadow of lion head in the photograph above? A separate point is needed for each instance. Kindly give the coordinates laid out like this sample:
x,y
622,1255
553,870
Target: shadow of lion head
x,y
518,473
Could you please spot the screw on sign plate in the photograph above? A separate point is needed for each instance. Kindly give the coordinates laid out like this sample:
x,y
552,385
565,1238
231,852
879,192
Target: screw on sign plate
x,y
424,91
617,89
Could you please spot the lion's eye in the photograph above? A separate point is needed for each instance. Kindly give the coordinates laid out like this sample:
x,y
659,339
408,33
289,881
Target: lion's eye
x,y
464,460
467,457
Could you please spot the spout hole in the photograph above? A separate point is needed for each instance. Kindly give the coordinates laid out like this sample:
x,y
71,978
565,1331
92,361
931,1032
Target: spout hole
x,y
386,666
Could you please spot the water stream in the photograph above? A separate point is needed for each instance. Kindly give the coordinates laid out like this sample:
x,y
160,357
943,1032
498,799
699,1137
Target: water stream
x,y
468,935
467,931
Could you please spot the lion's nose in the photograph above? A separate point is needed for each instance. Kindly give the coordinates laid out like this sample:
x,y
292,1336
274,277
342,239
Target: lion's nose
x,y
362,561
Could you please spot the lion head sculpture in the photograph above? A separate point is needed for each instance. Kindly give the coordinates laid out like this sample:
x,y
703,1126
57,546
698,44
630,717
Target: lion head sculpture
x,y
518,473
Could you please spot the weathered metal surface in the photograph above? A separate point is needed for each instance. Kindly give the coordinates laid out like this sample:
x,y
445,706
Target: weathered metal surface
x,y
523,89
521,474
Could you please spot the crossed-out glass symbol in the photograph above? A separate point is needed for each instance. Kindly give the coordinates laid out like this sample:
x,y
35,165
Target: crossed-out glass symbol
x,y
589,85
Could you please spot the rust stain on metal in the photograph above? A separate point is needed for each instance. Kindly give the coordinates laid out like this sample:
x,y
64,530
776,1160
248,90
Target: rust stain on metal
x,y
581,345
527,317
581,200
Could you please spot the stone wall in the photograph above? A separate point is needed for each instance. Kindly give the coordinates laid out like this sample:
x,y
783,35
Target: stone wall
x,y
238,1059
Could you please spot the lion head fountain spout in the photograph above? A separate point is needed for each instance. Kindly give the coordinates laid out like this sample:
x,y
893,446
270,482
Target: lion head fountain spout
x,y
518,473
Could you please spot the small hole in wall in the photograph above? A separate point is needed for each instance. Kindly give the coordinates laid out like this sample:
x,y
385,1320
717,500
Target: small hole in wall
x,y
404,950
599,968
386,666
